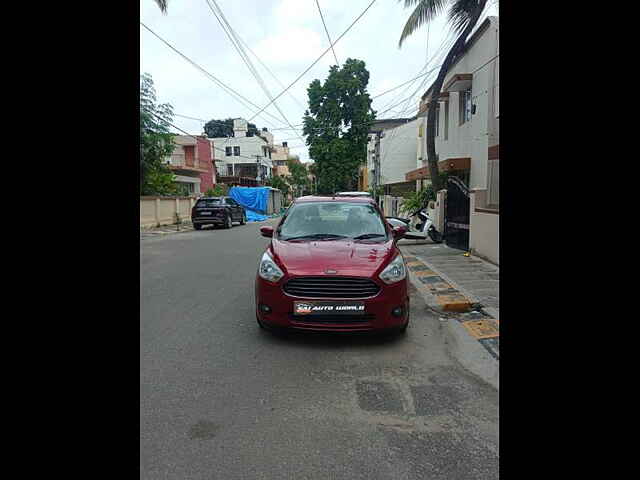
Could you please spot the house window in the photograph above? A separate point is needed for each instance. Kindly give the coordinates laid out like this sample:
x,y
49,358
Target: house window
x,y
230,170
465,106
236,151
227,151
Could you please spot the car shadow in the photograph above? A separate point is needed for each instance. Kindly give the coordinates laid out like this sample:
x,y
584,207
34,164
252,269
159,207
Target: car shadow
x,y
332,340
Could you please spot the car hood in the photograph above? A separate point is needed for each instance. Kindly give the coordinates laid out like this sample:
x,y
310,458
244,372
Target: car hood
x,y
346,257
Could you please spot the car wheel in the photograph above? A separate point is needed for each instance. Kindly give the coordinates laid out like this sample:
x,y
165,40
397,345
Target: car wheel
x,y
243,219
228,222
196,226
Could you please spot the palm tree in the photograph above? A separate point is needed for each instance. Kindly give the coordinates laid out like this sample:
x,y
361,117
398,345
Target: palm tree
x,y
463,17
162,4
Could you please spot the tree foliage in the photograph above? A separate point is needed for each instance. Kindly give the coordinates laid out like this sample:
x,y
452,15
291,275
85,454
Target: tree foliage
x,y
280,183
218,190
156,142
224,128
336,125
299,176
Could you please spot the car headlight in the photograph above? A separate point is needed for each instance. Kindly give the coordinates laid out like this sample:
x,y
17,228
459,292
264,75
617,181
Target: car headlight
x,y
268,269
395,271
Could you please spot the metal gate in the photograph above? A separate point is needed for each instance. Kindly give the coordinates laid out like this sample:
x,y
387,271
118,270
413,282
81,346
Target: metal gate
x,y
457,214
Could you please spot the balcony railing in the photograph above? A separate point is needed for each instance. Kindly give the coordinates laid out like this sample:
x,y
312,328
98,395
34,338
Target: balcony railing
x,y
178,160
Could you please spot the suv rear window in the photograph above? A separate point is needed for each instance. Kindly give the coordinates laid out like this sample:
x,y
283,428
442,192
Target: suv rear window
x,y
209,202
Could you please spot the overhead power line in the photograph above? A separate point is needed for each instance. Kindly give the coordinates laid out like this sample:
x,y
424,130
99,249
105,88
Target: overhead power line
x,y
213,78
232,35
327,32
318,59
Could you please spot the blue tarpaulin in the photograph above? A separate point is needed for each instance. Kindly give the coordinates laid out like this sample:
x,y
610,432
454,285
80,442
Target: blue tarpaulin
x,y
253,199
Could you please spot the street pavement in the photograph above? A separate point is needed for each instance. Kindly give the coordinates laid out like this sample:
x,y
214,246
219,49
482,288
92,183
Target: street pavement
x,y
222,399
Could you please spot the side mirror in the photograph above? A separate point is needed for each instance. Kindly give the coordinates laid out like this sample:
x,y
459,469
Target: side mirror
x,y
266,232
399,232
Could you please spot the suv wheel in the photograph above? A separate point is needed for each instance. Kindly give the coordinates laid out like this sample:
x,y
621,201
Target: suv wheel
x,y
243,219
197,226
228,222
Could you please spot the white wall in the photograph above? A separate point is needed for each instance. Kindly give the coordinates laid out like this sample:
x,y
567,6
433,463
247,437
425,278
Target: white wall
x,y
473,138
249,147
398,150
484,234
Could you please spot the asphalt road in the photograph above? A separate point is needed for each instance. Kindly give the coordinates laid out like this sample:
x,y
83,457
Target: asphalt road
x,y
222,399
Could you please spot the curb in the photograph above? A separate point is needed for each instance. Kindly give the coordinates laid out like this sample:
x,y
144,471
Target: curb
x,y
473,337
440,292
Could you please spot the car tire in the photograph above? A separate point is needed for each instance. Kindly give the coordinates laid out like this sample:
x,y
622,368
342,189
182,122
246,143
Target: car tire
x,y
243,219
196,226
228,222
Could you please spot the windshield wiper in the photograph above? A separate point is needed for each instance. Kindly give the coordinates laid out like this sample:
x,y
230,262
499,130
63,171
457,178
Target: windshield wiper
x,y
316,236
365,236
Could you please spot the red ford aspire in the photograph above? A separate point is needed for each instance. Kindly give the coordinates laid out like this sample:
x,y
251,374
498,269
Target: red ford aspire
x,y
332,265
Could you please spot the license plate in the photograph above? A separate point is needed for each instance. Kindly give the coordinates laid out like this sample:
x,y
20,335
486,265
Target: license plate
x,y
328,308
205,213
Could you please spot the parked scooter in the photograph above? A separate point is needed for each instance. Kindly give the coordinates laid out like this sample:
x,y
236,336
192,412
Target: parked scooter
x,y
419,226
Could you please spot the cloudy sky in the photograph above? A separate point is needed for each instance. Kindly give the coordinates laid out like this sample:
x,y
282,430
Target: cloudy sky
x,y
287,36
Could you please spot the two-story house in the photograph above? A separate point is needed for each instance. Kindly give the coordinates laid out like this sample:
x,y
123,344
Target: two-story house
x,y
242,155
192,163
279,158
467,134
370,174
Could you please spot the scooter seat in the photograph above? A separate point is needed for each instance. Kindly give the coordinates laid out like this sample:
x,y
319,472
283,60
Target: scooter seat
x,y
405,220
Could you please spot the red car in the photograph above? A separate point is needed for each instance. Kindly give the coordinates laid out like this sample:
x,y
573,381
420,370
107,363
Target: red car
x,y
332,265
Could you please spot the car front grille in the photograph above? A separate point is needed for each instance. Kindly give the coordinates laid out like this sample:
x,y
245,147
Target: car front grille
x,y
333,319
331,287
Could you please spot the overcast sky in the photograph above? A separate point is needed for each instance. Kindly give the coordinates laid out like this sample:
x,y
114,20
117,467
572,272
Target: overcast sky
x,y
287,36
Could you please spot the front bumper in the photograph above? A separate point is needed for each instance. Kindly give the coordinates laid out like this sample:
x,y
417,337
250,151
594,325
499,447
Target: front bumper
x,y
377,310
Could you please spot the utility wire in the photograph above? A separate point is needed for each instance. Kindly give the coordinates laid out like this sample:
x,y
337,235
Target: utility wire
x,y
234,36
327,32
212,77
272,74
317,60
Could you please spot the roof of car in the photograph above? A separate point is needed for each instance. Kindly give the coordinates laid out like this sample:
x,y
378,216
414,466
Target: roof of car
x,y
363,194
314,198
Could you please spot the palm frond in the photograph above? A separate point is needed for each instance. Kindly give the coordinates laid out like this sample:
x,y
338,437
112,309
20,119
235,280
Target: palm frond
x,y
424,12
162,4
460,13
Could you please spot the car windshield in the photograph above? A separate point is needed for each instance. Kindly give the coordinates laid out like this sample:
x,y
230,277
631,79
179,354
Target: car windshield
x,y
332,220
209,202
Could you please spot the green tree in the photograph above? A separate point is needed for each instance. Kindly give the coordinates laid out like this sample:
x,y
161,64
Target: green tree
x,y
156,142
280,183
224,128
463,16
336,125
299,178
218,190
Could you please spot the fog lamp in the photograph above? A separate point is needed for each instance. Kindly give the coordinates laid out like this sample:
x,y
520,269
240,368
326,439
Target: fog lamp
x,y
265,308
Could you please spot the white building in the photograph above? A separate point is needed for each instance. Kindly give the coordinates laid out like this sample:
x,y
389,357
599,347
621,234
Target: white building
x,y
238,156
467,134
397,151
371,174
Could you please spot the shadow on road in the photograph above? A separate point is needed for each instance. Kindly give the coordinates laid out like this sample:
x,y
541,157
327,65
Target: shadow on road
x,y
336,340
